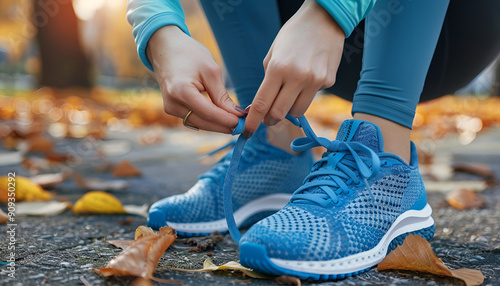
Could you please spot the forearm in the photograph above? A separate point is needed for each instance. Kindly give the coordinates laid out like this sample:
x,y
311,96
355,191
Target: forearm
x,y
147,16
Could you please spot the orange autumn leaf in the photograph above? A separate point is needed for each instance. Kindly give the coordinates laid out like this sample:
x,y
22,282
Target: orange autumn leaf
x,y
465,199
40,144
143,231
415,254
25,190
141,258
58,157
121,243
125,169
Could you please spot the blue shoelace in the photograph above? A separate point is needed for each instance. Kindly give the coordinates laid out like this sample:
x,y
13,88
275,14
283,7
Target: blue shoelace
x,y
338,165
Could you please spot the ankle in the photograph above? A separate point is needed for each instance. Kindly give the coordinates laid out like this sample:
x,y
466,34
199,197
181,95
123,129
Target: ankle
x,y
396,137
282,134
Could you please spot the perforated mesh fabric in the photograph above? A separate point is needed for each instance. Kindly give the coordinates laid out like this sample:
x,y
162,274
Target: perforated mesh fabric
x,y
309,232
264,170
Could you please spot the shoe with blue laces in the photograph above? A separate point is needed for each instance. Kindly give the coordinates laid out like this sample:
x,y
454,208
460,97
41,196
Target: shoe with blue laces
x,y
267,178
356,205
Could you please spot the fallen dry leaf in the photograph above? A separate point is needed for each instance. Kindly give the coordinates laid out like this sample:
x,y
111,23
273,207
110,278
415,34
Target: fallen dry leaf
x,y
125,169
48,180
58,157
98,202
142,282
100,184
141,257
481,170
208,265
466,199
25,190
143,231
287,280
37,164
40,144
415,254
141,210
48,208
121,243
3,217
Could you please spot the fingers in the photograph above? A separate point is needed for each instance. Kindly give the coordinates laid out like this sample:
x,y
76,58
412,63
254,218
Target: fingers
x,y
261,104
185,97
282,104
304,99
212,81
195,120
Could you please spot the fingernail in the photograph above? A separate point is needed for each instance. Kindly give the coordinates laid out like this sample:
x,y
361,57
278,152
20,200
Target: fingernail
x,y
239,109
247,134
247,109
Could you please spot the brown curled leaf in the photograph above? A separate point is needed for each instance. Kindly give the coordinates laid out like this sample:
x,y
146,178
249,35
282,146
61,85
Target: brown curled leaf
x,y
141,258
476,169
415,254
125,169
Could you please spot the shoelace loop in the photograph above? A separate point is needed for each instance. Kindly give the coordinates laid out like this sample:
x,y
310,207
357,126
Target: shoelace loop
x,y
339,172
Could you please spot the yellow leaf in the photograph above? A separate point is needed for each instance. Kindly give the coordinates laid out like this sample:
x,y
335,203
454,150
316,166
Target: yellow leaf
x,y
24,189
208,265
415,254
98,202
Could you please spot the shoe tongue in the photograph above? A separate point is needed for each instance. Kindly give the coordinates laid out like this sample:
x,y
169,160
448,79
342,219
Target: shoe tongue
x,y
362,132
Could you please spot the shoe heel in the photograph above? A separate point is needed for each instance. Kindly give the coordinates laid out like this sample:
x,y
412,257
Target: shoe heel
x,y
426,233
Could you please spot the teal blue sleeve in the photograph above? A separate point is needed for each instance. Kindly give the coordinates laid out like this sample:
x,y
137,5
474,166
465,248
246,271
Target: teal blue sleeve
x,y
147,16
348,13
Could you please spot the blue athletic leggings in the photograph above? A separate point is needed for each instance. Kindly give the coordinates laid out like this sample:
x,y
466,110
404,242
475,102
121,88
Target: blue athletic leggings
x,y
386,59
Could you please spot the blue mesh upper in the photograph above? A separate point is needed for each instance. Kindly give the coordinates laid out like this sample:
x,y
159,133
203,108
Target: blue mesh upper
x,y
304,230
264,170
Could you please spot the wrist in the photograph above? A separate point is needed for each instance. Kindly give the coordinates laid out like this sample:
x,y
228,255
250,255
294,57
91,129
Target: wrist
x,y
159,39
319,12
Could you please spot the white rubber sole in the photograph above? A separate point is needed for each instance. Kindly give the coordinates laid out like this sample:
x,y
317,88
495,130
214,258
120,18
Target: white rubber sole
x,y
407,222
272,202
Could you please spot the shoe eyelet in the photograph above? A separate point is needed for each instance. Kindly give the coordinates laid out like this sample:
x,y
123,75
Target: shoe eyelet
x,y
386,163
360,184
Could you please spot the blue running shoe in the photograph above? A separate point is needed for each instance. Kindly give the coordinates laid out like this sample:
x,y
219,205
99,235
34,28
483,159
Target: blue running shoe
x,y
356,205
267,179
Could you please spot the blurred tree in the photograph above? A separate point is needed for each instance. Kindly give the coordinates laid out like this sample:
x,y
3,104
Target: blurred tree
x,y
63,62
16,29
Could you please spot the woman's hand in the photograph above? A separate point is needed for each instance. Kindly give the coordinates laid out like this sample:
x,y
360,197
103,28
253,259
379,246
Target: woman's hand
x,y
303,58
184,68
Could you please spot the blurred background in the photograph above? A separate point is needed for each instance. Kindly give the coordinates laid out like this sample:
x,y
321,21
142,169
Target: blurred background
x,y
69,69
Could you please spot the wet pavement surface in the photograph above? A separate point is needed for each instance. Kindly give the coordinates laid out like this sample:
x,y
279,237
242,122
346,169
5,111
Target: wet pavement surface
x,y
59,250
